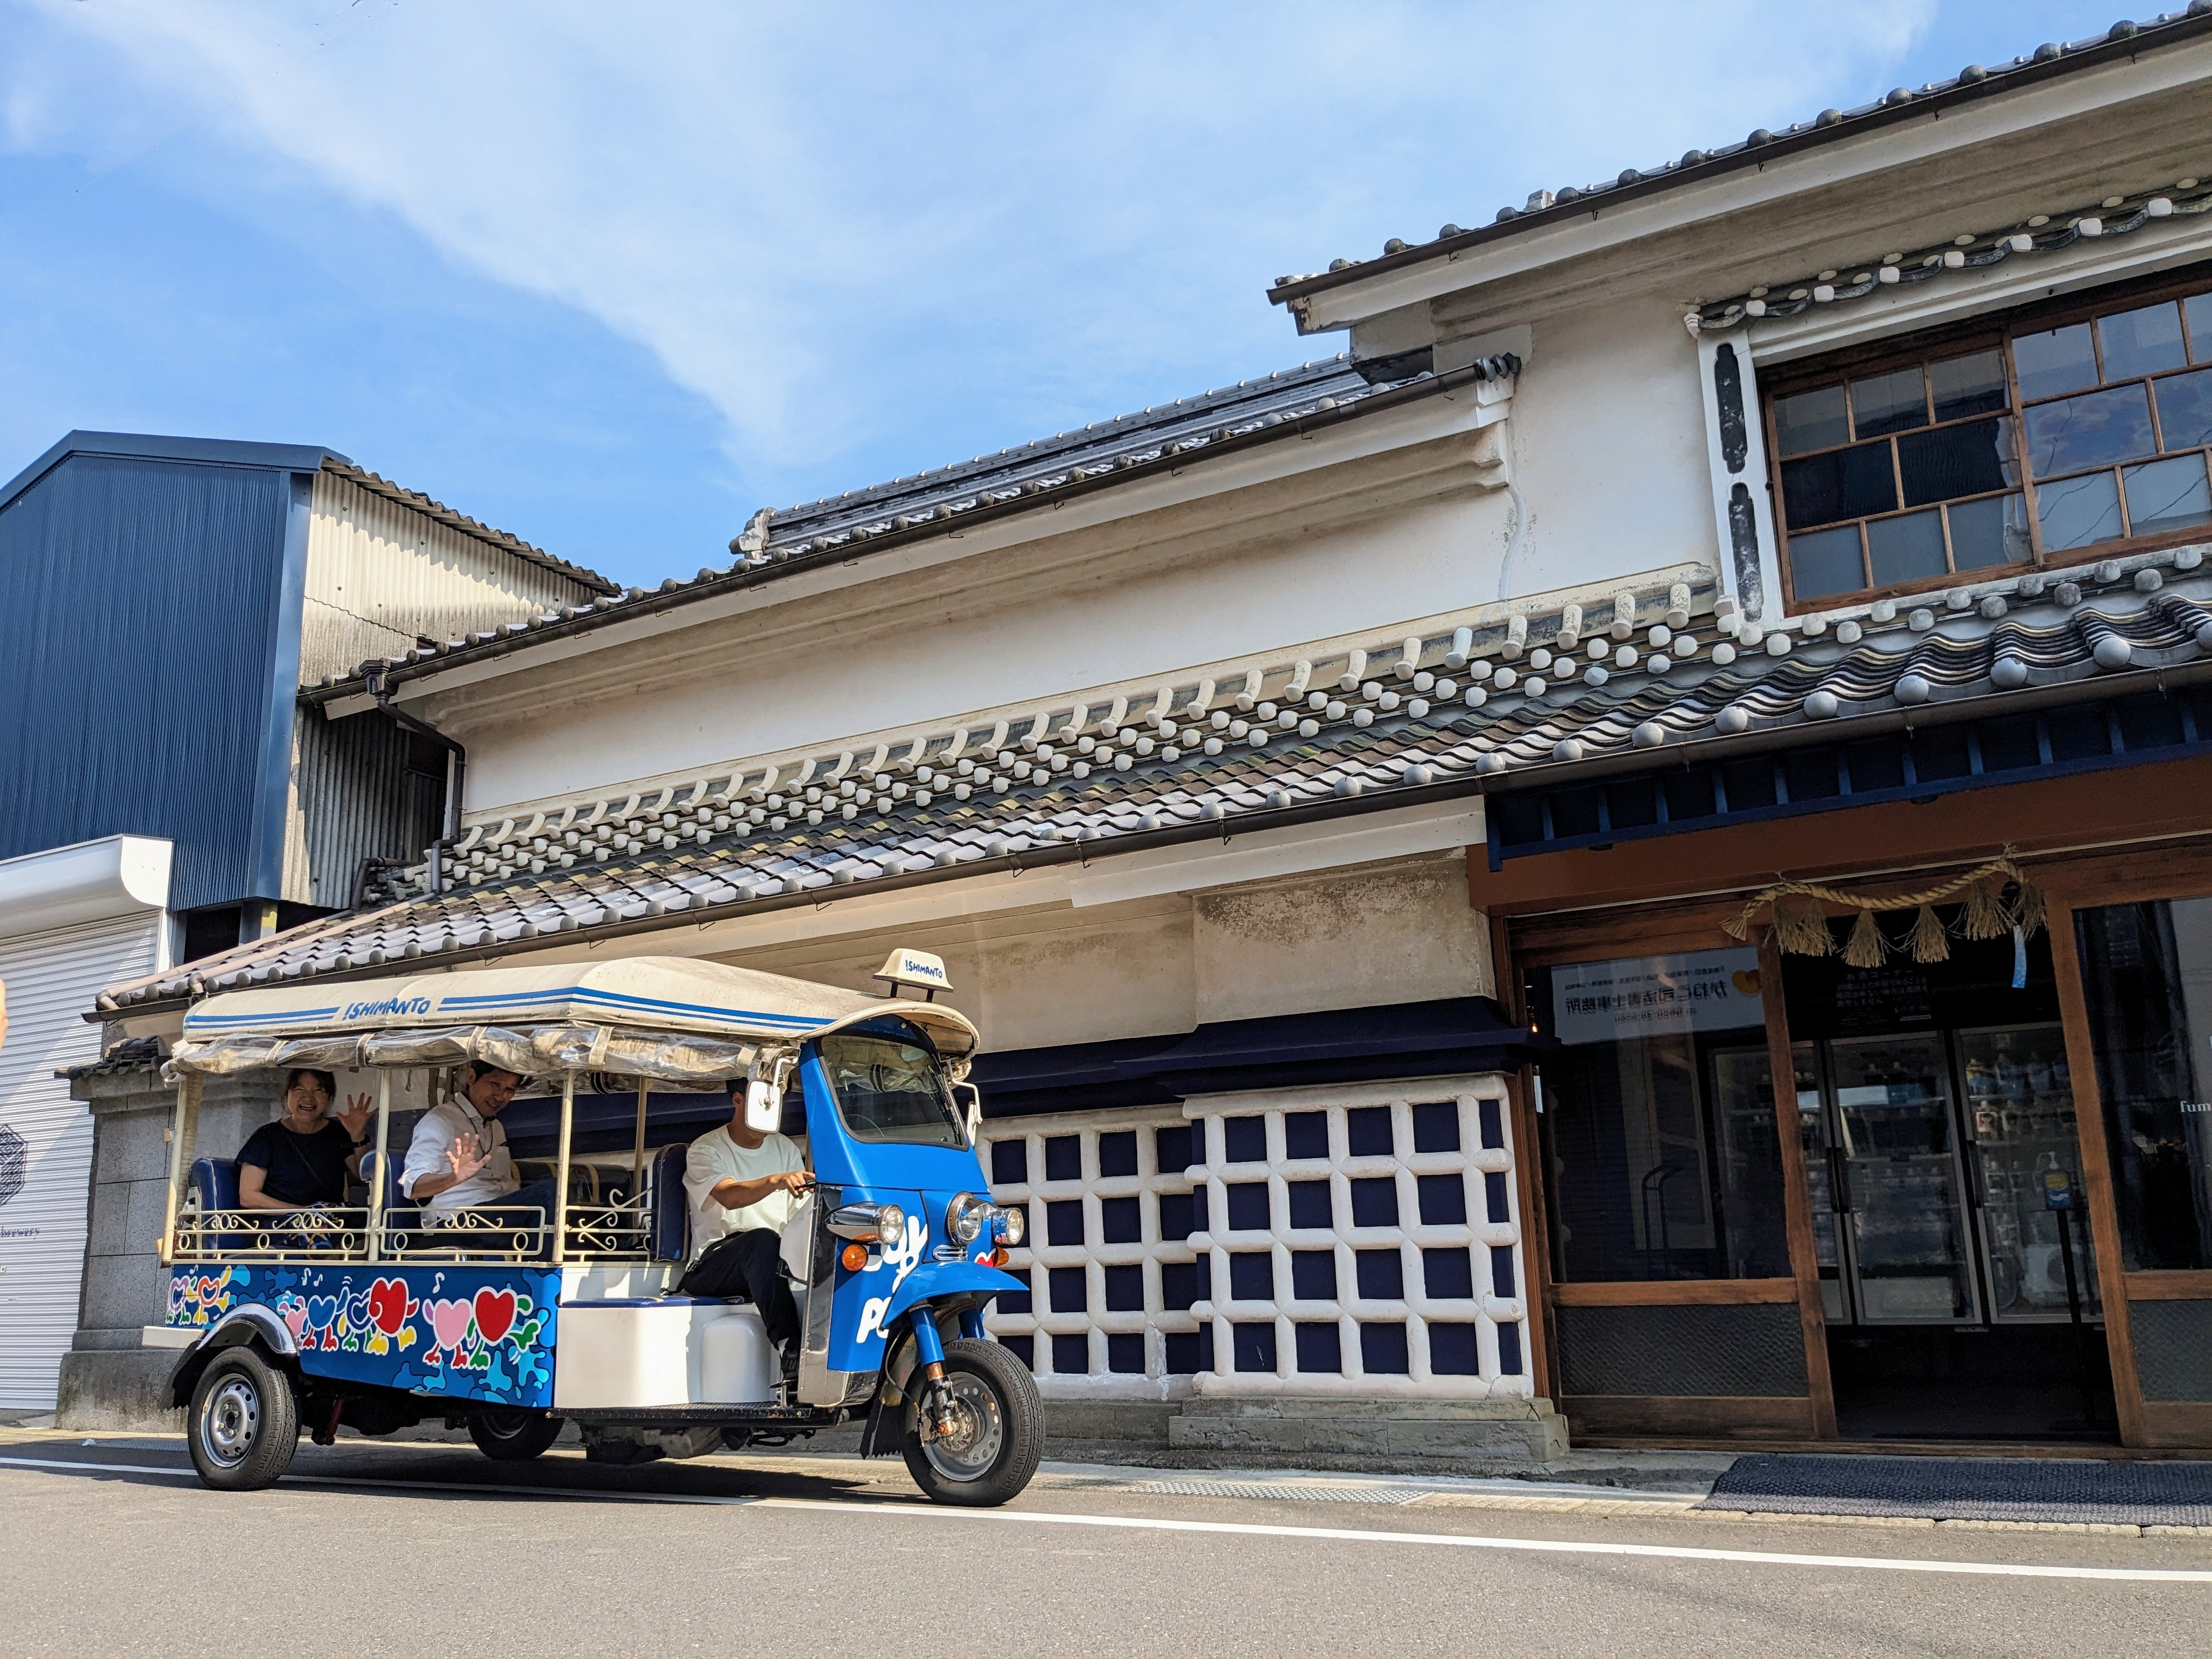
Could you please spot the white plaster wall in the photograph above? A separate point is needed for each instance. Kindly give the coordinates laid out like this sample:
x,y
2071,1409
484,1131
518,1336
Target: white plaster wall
x,y
1350,938
1032,978
1131,601
1398,932
1608,449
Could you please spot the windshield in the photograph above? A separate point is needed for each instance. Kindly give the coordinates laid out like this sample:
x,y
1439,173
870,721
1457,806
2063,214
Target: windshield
x,y
891,1090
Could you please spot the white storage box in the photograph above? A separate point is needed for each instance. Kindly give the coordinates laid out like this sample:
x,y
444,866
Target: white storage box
x,y
651,1353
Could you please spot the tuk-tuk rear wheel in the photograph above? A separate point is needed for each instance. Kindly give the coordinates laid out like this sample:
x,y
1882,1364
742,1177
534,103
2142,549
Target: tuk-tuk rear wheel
x,y
244,1424
999,1430
513,1434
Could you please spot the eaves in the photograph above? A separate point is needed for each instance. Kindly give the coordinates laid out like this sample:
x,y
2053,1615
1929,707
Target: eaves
x,y
639,613
1686,191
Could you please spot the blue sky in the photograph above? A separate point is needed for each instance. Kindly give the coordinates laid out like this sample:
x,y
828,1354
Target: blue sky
x,y
611,277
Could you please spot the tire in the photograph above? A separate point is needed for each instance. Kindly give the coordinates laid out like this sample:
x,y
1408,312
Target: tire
x,y
1003,1421
243,1424
514,1435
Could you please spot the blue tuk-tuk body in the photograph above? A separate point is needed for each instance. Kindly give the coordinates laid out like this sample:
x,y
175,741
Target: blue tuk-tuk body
x,y
900,1250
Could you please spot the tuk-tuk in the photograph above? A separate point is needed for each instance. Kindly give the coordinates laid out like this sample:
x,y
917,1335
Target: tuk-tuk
x,y
381,1315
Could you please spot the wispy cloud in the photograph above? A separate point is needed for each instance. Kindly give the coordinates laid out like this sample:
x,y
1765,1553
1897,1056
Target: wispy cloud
x,y
830,222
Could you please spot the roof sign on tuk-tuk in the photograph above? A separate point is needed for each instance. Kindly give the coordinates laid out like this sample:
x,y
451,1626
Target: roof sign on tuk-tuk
x,y
917,969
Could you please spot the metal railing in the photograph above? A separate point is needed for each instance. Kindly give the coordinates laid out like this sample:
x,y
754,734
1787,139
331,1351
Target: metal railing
x,y
323,1235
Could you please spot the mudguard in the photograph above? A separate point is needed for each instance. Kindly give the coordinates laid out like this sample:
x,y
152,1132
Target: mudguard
x,y
241,1326
936,1279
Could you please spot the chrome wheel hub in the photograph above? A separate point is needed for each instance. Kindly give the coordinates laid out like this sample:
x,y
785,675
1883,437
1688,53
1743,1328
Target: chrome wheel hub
x,y
970,1428
233,1422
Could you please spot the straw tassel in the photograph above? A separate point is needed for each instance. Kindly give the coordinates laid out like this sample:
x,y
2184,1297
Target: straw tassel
x,y
1805,932
1985,917
1930,943
1866,947
2028,912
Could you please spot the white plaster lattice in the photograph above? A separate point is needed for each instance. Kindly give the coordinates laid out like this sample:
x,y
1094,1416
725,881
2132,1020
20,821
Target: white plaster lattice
x,y
1437,1327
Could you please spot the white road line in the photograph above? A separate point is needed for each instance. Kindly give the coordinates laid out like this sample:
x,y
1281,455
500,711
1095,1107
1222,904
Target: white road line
x,y
1235,1528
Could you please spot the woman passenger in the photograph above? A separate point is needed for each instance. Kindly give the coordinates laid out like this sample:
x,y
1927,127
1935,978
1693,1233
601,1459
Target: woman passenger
x,y
302,1160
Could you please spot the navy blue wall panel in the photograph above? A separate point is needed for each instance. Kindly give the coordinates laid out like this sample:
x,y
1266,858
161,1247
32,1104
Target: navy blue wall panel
x,y
139,629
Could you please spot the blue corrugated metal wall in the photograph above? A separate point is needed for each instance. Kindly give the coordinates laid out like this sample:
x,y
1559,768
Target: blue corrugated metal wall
x,y
140,605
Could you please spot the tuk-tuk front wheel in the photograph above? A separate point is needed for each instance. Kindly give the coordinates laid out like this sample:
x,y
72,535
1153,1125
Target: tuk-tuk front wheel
x,y
513,1434
975,1438
244,1422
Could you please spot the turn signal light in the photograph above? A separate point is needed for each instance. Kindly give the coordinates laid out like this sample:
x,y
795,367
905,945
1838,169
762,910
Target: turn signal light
x,y
854,1256
999,1258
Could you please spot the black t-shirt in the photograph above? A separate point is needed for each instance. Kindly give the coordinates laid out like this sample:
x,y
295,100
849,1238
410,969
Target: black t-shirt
x,y
301,1169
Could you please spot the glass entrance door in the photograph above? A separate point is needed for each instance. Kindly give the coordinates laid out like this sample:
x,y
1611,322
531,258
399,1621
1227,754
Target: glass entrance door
x,y
1898,1182
2019,1100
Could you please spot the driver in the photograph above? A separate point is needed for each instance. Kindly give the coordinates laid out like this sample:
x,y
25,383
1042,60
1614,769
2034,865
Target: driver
x,y
741,1184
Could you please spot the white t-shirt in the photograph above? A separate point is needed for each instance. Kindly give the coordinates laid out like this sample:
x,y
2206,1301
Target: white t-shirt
x,y
714,1158
437,1130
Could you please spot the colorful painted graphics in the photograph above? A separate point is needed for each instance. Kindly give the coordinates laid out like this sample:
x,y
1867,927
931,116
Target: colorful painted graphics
x,y
460,1332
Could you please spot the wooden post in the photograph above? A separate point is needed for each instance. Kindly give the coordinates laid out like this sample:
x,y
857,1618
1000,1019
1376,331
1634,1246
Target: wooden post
x,y
2096,1171
560,1168
1797,1191
184,1128
383,1151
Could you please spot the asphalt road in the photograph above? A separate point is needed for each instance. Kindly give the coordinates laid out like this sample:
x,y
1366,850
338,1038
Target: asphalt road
x,y
112,1547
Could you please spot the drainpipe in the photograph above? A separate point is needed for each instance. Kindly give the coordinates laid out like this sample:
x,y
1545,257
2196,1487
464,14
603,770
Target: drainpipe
x,y
457,765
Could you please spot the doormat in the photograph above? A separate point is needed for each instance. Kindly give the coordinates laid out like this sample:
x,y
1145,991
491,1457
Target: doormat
x,y
2177,1494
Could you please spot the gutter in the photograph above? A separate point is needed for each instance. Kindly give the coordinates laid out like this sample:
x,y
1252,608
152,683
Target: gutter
x,y
671,595
457,767
659,917
1756,152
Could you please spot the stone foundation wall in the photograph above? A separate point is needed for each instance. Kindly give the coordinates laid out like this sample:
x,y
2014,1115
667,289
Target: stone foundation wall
x,y
107,1381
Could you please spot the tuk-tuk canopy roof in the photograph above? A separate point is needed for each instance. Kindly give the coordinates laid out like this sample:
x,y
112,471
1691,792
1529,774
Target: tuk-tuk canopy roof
x,y
662,1016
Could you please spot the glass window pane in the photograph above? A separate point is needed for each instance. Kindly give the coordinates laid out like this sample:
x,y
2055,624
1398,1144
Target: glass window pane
x,y
2168,496
1844,483
2142,342
1992,531
1906,549
2184,408
2146,974
1957,460
1972,385
2079,512
1826,561
2089,431
1665,1151
1894,402
2197,308
1810,420
2055,361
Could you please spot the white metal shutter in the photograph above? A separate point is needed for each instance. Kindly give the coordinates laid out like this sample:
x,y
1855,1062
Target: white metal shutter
x,y
45,1136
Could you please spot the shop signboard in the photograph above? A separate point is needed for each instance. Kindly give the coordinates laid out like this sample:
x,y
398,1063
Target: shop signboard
x,y
1645,996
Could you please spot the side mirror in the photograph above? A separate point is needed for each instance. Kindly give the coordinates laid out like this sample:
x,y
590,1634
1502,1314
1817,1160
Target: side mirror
x,y
763,1105
969,1100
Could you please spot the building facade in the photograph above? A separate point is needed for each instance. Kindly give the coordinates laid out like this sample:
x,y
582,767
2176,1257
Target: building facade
x,y
1395,821
162,602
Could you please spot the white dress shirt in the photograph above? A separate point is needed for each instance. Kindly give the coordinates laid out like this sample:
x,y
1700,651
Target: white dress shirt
x,y
436,1132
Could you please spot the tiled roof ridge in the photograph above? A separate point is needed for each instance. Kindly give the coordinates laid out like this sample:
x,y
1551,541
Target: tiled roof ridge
x,y
761,557
2144,619
1318,368
452,519
1763,146
2121,214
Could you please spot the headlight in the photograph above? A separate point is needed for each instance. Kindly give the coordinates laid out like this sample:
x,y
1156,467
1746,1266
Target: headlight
x,y
1012,1225
869,1222
964,1218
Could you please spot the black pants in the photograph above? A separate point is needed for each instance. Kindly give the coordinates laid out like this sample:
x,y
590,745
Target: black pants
x,y
746,1264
